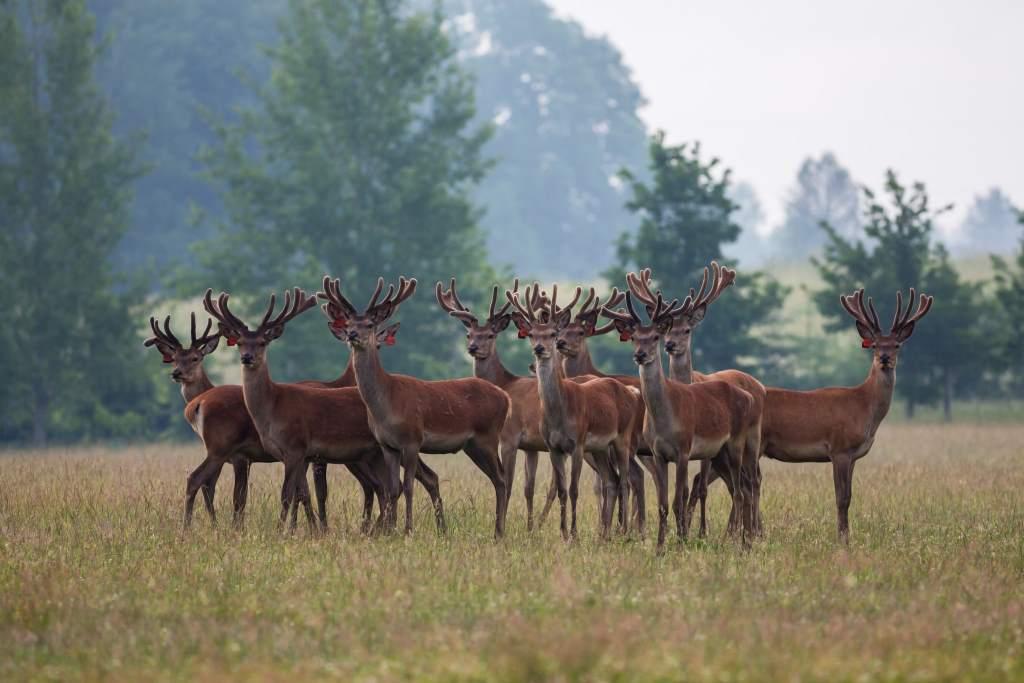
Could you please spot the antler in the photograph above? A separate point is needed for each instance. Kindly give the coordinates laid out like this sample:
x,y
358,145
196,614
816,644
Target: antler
x,y
553,308
205,336
165,336
903,318
657,309
220,311
386,308
491,315
854,305
450,302
533,299
295,302
337,305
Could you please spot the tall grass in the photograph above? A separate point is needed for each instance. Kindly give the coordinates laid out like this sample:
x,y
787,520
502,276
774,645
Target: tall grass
x,y
97,581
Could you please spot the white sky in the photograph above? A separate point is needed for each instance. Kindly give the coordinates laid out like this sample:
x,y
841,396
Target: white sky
x,y
932,89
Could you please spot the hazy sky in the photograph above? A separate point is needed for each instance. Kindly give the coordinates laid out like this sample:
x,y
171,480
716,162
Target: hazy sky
x,y
932,89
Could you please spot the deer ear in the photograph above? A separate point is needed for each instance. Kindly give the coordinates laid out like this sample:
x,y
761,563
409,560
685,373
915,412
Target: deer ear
x,y
210,346
624,329
698,315
500,324
230,336
272,333
905,332
521,326
168,358
665,326
387,335
865,333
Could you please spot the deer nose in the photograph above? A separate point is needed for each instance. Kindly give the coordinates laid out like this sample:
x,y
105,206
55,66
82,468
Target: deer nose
x,y
561,345
247,359
538,349
176,374
640,356
353,335
670,346
473,348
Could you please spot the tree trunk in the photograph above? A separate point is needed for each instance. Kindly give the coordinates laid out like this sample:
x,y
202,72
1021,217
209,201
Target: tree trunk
x,y
40,412
947,396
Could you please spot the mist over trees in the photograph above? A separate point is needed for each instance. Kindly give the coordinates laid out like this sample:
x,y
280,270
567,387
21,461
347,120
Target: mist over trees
x,y
149,150
824,193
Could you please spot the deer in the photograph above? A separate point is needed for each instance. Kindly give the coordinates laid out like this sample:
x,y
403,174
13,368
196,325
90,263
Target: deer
x,y
578,366
227,432
685,422
677,343
408,415
838,424
300,423
599,416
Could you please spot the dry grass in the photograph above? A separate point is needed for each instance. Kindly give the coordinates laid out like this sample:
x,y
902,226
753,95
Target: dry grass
x,y
97,581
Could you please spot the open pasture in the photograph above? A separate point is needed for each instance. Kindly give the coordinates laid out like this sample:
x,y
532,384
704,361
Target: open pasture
x,y
97,580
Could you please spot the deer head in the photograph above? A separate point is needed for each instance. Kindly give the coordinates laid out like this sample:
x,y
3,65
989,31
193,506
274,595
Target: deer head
x,y
480,337
886,347
540,319
252,344
645,337
691,312
573,334
359,329
188,363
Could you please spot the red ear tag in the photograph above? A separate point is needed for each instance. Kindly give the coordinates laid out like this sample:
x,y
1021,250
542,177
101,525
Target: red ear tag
x,y
389,340
625,336
168,359
339,324
523,334
866,343
232,341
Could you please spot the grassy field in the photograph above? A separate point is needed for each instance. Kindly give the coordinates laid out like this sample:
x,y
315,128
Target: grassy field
x,y
97,581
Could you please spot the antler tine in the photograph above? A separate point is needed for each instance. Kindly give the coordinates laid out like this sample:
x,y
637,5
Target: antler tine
x,y
874,314
698,299
584,309
376,293
640,285
575,298
553,308
494,300
230,318
513,299
923,307
455,297
449,300
504,309
205,336
910,307
170,335
899,311
632,311
271,305
615,298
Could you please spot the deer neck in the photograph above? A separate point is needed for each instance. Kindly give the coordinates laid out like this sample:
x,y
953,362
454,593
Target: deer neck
x,y
580,364
654,390
373,381
493,370
879,387
680,366
258,390
348,377
192,389
552,394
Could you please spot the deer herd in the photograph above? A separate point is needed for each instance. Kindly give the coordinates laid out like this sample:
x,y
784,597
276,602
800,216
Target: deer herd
x,y
379,424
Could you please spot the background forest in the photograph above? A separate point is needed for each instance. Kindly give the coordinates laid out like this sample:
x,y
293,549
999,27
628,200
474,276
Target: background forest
x,y
149,150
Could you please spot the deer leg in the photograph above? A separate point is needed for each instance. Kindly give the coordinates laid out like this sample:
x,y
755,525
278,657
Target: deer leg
x,y
551,494
509,451
636,481
320,487
842,475
410,463
487,460
371,487
195,482
623,458
607,477
701,481
241,489
530,477
679,503
558,481
393,485
574,484
209,489
658,467
722,468
432,483
598,484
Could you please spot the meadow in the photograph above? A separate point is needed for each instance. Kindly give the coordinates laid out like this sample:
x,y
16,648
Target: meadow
x,y
98,581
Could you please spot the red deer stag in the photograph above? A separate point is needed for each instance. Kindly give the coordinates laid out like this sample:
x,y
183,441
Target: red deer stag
x,y
299,423
409,415
227,431
598,417
677,343
838,424
684,422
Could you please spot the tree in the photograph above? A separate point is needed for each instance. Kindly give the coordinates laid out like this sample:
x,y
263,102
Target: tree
x,y
565,115
990,225
824,193
900,253
357,161
71,361
686,219
749,248
1009,304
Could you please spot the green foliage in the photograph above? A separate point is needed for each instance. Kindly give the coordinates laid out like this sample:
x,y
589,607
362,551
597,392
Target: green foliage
x,y
946,351
71,360
824,192
566,118
686,217
356,162
1009,309
990,225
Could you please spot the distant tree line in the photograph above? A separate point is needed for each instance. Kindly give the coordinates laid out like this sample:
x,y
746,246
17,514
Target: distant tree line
x,y
138,167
